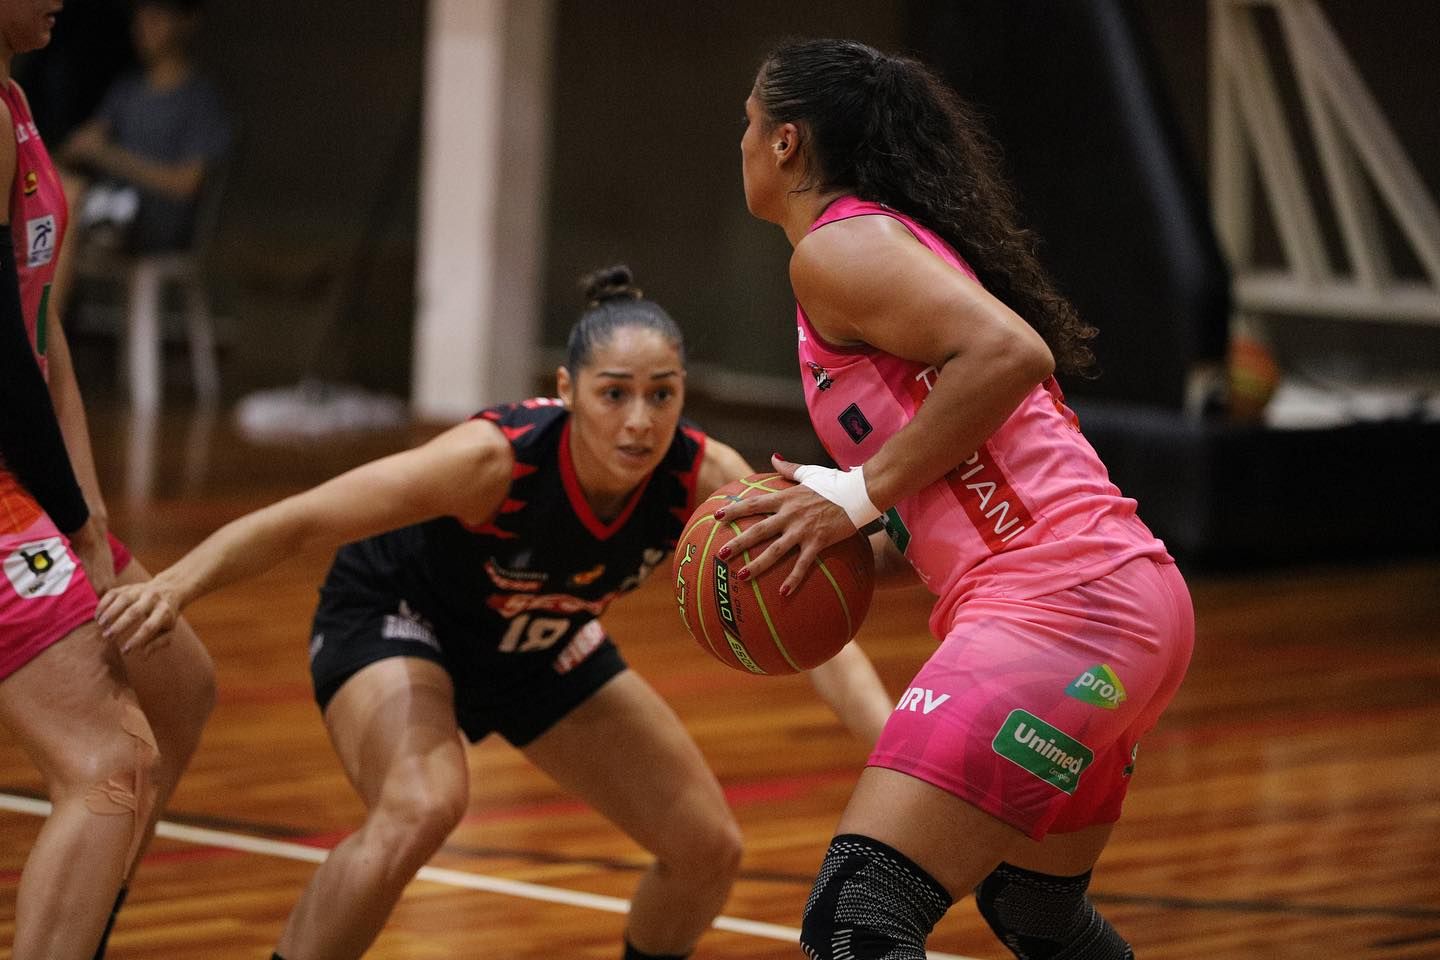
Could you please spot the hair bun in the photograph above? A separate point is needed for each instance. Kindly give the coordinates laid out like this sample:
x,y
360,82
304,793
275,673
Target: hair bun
x,y
610,283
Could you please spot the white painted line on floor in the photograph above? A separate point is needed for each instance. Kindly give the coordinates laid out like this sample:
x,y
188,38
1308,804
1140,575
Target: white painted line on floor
x,y
226,840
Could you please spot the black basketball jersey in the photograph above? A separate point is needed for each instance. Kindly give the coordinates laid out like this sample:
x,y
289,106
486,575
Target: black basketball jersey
x,y
545,566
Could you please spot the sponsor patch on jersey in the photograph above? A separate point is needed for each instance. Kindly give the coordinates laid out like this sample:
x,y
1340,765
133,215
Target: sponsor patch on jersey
x,y
895,529
821,375
587,577
1099,687
32,183
1050,754
41,568
406,624
40,240
855,423
585,642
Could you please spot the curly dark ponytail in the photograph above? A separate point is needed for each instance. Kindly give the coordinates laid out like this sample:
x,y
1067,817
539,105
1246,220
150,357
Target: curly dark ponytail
x,y
612,301
892,132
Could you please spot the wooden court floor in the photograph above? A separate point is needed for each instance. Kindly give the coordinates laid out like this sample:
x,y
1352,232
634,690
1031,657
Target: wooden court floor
x,y
1287,806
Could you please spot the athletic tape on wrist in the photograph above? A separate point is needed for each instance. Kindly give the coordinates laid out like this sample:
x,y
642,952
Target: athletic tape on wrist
x,y
844,488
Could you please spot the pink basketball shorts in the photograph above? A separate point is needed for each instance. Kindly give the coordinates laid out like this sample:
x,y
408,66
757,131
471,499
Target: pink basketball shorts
x,y
1032,710
44,594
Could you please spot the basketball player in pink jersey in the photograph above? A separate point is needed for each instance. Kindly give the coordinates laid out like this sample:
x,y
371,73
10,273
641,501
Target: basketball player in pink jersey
x,y
928,336
92,720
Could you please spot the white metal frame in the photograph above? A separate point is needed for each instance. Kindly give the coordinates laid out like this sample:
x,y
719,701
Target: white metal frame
x,y
1353,142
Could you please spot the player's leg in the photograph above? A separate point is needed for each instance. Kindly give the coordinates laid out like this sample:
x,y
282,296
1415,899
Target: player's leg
x,y
174,681
1036,902
77,718
393,726
625,753
903,852
1037,905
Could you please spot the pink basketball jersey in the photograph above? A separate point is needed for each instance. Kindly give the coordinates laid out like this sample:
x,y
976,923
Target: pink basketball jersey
x,y
37,219
1031,512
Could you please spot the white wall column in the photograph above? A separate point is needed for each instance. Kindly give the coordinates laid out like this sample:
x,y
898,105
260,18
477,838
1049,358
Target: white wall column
x,y
483,174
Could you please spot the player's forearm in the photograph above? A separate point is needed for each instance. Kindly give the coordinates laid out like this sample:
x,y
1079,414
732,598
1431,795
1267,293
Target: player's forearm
x,y
973,395
180,180
849,684
243,548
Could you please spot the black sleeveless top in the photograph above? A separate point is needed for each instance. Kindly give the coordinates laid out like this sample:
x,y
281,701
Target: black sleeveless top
x,y
545,565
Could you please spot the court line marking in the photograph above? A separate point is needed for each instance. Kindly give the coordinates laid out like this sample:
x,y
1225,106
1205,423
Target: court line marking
x,y
455,878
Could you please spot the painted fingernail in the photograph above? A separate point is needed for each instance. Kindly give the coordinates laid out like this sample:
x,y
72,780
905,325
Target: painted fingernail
x,y
719,514
785,590
744,574
724,552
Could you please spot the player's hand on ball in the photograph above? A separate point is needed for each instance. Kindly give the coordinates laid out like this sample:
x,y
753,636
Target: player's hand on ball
x,y
137,615
800,519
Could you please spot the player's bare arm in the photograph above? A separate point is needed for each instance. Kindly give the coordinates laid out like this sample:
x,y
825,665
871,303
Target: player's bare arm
x,y
464,472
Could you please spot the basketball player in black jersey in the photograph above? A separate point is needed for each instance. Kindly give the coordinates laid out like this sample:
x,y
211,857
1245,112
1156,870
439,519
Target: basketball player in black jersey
x,y
470,594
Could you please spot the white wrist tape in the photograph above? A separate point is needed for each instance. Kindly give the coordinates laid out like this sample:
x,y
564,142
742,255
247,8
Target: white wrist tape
x,y
844,488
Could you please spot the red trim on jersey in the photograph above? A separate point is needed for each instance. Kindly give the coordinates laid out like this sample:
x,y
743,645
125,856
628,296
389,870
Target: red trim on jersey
x,y
583,511
690,477
515,433
488,530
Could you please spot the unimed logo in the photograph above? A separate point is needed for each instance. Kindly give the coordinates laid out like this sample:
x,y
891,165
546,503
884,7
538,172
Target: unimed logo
x,y
1053,756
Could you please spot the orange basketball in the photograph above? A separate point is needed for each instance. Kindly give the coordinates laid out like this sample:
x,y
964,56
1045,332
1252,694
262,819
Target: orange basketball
x,y
747,624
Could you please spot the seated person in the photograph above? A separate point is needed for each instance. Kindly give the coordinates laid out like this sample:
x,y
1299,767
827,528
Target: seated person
x,y
134,171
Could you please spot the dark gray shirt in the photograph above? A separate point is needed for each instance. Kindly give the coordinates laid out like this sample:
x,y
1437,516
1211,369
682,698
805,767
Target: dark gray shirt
x,y
170,126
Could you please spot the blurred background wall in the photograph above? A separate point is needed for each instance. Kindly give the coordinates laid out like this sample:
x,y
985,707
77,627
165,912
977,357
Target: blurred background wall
x,y
315,252
313,263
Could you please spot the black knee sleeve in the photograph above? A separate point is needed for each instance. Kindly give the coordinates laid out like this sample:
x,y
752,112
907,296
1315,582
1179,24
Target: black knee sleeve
x,y
870,902
1040,917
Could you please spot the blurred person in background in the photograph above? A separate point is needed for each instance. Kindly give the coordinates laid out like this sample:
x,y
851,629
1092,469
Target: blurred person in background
x,y
135,171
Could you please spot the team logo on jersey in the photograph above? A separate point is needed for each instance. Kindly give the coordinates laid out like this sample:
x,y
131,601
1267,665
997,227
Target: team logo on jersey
x,y
41,568
40,240
32,183
855,423
1130,767
821,375
1050,754
587,577
585,642
1099,687
895,529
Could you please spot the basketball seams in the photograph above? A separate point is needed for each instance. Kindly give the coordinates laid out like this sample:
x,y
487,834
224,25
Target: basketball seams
x,y
839,595
699,580
765,612
751,485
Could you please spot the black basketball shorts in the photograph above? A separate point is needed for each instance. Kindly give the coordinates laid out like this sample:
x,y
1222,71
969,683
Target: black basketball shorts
x,y
518,695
